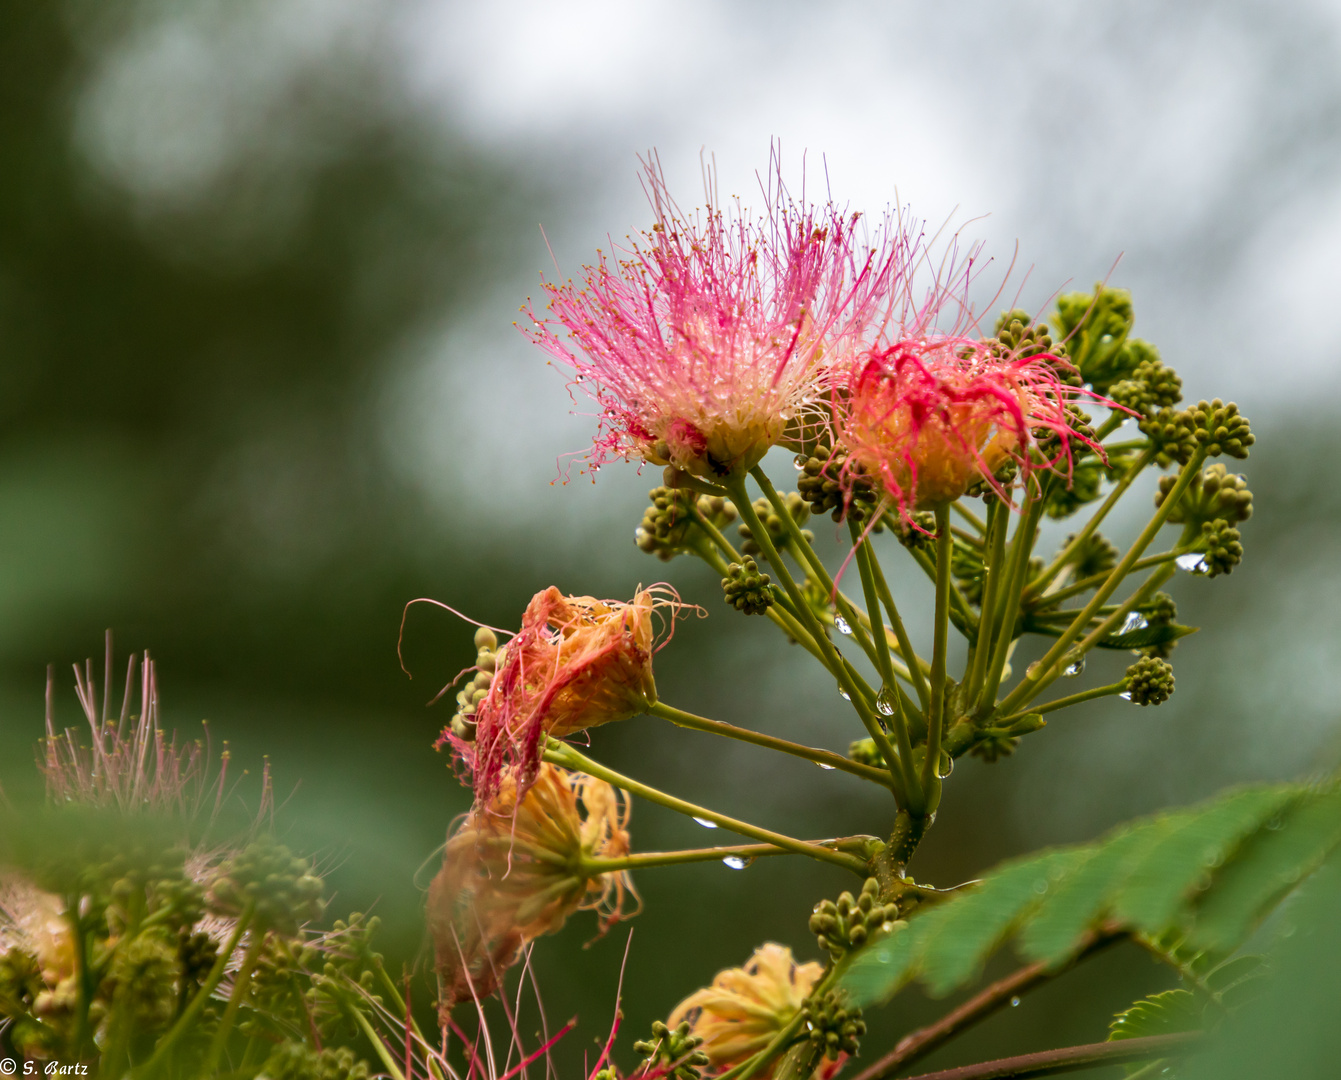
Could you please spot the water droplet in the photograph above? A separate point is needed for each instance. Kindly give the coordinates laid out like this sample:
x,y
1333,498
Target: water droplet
x,y
1074,668
842,625
1014,1002
736,862
945,766
884,702
1041,886
706,823
799,461
843,693
826,768
1135,621
579,377
1125,695
1193,563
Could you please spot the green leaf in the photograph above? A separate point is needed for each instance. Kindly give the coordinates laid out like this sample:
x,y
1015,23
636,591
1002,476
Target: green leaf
x,y
1168,1013
1268,865
966,933
1196,880
1080,900
948,944
1155,634
1184,851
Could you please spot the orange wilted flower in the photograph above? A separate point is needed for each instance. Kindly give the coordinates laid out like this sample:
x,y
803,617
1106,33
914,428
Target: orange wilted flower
x,y
576,663
517,867
745,1007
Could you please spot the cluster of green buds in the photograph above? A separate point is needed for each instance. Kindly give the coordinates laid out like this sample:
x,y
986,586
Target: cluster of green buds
x,y
477,689
778,532
278,886
1151,386
668,523
1214,426
676,1050
820,487
833,1025
1213,493
295,1061
849,923
746,588
1149,681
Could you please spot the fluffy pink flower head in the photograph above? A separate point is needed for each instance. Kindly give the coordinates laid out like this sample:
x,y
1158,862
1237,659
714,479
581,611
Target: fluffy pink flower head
x,y
576,663
933,414
702,342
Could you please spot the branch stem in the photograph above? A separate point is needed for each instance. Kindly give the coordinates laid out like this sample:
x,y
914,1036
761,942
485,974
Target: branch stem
x,y
935,715
926,1040
834,662
1031,684
825,758
561,754
1074,1058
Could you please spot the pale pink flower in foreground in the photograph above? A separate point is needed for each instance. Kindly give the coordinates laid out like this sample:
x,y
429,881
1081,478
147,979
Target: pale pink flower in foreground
x,y
706,339
745,1007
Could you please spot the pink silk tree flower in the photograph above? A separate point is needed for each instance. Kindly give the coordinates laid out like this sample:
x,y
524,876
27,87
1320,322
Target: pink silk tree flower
x,y
576,663
933,414
703,342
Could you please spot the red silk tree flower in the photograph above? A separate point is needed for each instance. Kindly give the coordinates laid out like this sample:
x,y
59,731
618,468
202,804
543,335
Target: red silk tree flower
x,y
576,663
933,414
517,867
705,340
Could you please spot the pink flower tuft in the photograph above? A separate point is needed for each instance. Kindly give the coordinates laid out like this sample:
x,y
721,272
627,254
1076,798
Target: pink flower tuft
x,y
703,342
933,414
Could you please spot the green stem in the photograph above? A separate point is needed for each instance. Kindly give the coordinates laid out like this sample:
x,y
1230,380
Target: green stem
x,y
835,663
865,557
1064,556
802,546
747,1069
779,613
640,860
1087,583
714,534
826,758
562,754
192,1011
935,716
995,567
1008,604
1031,684
1071,699
370,1032
969,516
915,663
241,988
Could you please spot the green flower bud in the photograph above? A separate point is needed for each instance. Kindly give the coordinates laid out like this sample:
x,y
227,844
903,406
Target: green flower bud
x,y
1150,681
1220,543
833,1024
819,485
1213,493
1151,386
796,506
746,589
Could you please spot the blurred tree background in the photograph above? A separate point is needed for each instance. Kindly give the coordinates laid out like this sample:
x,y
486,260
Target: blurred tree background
x,y
257,392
